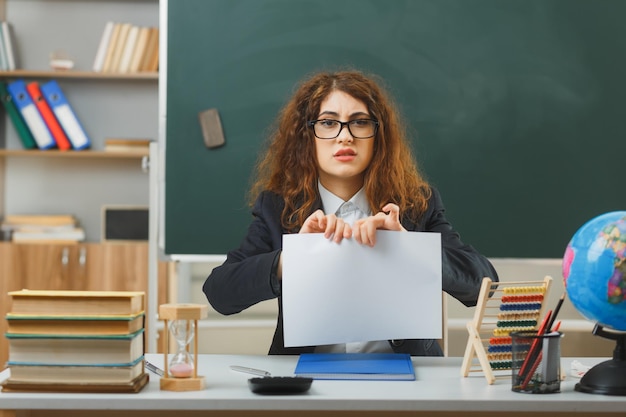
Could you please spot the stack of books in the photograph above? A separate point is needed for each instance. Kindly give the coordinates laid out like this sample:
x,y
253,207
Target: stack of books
x,y
42,116
44,228
76,341
127,48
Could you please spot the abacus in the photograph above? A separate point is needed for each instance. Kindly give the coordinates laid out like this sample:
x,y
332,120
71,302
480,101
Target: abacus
x,y
502,308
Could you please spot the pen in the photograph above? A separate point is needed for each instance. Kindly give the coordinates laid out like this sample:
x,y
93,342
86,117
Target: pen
x,y
535,347
154,369
556,311
247,370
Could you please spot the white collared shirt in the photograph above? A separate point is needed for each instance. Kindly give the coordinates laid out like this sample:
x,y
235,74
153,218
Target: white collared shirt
x,y
349,211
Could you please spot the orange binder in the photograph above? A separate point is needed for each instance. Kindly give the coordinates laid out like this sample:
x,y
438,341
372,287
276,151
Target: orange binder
x,y
52,123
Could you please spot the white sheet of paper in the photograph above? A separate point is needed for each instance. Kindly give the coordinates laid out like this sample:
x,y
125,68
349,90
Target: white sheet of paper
x,y
348,292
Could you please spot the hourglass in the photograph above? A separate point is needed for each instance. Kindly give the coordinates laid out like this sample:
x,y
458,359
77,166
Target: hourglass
x,y
181,321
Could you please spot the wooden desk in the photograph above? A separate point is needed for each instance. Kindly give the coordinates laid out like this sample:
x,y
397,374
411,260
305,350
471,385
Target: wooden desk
x,y
439,390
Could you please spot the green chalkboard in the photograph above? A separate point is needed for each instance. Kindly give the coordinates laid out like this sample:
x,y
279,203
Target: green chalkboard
x,y
516,107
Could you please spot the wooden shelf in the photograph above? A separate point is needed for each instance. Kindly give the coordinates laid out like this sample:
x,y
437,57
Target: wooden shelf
x,y
70,154
80,75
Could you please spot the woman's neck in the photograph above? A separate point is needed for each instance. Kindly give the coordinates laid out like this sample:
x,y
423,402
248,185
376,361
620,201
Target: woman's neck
x,y
342,187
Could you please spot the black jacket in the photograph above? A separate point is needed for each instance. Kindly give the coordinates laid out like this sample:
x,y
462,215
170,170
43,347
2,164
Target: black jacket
x,y
245,277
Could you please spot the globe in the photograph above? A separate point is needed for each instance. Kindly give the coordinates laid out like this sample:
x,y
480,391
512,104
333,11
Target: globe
x,y
594,270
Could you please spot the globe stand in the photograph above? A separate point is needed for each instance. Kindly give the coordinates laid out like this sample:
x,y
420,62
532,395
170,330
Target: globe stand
x,y
608,377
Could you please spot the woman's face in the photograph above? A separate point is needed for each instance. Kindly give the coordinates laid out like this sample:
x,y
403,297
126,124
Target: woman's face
x,y
342,161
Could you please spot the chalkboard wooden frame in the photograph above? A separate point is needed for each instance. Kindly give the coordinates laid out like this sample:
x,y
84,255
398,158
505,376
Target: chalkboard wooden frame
x,y
515,107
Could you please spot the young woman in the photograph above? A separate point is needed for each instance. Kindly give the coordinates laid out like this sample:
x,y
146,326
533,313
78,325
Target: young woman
x,y
339,163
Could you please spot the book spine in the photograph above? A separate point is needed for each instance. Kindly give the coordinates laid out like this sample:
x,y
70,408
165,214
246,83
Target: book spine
x,y
4,63
154,60
152,44
108,57
119,47
98,64
8,46
129,47
140,49
28,141
48,116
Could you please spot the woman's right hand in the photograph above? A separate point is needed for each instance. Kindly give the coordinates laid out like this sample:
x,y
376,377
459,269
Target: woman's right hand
x,y
332,227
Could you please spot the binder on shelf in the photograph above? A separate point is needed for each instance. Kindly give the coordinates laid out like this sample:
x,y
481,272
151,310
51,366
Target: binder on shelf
x,y
28,141
101,53
8,45
65,115
30,114
54,127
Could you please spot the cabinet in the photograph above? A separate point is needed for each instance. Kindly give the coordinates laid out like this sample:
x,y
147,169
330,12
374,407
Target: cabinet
x,y
77,182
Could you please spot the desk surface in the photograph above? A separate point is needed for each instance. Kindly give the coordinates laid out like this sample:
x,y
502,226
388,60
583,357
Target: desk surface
x,y
439,386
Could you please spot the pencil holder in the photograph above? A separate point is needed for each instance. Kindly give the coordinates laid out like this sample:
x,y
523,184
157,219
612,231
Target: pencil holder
x,y
536,362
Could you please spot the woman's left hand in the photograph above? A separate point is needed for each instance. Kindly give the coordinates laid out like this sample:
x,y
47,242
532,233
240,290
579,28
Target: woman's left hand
x,y
364,230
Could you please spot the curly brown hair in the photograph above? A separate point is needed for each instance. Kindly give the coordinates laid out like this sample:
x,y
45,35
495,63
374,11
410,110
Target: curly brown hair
x,y
289,165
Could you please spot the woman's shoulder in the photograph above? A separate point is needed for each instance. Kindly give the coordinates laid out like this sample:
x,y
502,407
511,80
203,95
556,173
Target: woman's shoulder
x,y
269,199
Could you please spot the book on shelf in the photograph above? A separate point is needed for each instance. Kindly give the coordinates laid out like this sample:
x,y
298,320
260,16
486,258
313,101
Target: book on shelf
x,y
8,227
119,47
65,115
87,374
103,324
140,49
133,386
101,53
48,116
48,235
39,220
76,303
152,50
110,49
74,350
30,114
42,228
153,63
127,51
27,139
7,37
361,366
127,145
4,60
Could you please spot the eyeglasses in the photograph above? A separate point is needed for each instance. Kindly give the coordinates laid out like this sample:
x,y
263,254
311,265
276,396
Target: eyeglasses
x,y
330,129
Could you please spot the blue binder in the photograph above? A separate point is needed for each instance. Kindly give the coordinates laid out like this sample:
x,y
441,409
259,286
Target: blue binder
x,y
26,106
65,115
